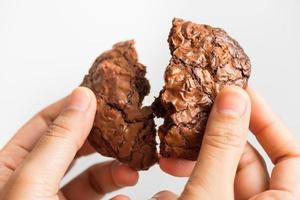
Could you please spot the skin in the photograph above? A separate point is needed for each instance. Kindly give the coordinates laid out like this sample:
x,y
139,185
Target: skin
x,y
230,168
35,160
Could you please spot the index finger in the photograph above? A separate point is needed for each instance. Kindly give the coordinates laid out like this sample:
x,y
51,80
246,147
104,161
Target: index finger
x,y
278,142
22,143
55,150
281,146
27,136
17,149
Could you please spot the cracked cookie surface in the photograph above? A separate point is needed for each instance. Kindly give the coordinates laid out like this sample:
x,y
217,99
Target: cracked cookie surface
x,y
122,129
204,60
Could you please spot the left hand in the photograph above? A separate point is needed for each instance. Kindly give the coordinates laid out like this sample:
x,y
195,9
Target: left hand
x,y
34,161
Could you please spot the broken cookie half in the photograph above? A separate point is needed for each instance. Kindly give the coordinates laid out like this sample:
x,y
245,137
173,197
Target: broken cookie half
x,y
204,60
122,129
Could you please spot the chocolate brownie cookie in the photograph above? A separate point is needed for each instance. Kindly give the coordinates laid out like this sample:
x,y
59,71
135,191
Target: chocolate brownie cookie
x,y
204,60
122,128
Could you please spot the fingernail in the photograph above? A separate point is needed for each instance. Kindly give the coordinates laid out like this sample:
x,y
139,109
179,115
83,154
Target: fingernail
x,y
232,102
80,99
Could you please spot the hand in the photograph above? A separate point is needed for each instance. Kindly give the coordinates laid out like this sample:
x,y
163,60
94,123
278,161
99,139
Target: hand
x,y
36,159
229,168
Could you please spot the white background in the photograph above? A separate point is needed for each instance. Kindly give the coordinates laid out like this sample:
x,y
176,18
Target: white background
x,y
46,47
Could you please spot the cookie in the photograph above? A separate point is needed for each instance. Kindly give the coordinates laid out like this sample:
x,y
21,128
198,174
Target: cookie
x,y
122,129
204,60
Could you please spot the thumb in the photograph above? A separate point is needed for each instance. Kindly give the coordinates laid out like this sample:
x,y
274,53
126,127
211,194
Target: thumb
x,y
222,147
45,166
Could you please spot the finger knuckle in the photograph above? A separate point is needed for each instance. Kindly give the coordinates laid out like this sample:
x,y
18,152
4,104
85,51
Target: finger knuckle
x,y
192,189
11,157
281,154
7,163
58,130
224,137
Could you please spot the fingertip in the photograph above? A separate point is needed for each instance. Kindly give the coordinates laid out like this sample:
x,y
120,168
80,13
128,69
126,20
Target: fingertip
x,y
165,194
83,100
124,175
232,102
235,90
166,166
88,92
176,167
85,90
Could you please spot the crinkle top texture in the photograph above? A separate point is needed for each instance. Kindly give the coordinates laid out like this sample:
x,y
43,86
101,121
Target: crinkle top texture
x,y
204,60
122,128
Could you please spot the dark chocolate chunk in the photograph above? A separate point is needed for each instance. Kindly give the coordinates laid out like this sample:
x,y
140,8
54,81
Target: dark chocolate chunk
x,y
122,128
204,60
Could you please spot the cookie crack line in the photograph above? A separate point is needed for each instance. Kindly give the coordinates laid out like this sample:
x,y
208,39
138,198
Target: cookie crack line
x,y
124,115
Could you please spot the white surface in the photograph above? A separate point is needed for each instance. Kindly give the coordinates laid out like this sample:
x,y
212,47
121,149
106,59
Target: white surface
x,y
47,46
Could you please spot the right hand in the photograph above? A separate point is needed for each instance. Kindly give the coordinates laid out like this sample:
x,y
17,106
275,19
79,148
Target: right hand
x,y
230,168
